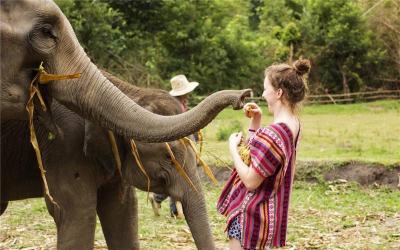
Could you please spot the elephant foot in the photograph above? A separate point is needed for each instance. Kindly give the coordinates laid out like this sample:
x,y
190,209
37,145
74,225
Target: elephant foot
x,y
179,210
155,205
3,207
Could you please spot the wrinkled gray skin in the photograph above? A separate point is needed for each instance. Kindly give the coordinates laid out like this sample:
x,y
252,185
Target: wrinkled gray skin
x,y
82,178
35,31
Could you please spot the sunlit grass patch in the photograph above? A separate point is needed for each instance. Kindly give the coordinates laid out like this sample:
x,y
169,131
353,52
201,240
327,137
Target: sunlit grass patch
x,y
337,215
364,132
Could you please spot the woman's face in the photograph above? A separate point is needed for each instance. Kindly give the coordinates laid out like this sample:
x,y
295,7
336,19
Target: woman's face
x,y
270,95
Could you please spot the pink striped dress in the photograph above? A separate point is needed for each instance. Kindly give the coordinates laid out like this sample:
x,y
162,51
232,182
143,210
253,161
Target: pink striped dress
x,y
263,213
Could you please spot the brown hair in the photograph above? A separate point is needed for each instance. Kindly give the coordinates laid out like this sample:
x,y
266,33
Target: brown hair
x,y
290,79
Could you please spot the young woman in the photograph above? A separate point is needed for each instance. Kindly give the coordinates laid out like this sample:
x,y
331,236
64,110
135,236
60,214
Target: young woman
x,y
256,197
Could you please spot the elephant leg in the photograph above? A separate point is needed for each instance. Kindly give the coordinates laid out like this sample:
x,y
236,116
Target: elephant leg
x,y
75,214
3,207
118,216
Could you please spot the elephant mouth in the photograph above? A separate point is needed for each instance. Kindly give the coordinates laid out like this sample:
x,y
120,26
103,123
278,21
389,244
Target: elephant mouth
x,y
246,93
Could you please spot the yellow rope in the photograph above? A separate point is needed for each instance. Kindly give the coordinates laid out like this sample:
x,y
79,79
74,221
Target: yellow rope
x,y
45,77
114,149
178,167
206,168
33,91
135,154
42,77
201,137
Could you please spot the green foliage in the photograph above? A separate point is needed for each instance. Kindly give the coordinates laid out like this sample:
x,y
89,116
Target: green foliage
x,y
226,44
224,132
98,28
336,38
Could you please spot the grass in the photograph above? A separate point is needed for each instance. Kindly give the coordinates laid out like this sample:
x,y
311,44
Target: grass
x,y
321,216
367,132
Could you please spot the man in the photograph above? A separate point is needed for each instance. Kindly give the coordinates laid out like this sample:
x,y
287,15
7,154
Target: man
x,y
181,89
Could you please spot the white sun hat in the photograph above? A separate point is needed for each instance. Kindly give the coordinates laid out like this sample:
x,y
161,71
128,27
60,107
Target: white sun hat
x,y
181,86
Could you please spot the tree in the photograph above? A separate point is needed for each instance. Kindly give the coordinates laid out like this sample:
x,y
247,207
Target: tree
x,y
336,38
383,19
98,28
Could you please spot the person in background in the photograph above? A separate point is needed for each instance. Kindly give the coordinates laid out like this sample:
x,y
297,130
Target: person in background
x,y
256,197
181,89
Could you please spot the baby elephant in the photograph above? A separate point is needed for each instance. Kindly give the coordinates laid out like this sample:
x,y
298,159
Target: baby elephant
x,y
169,168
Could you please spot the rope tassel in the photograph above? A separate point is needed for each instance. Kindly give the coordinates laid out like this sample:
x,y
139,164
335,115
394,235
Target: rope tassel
x,y
34,91
178,167
135,154
42,77
206,168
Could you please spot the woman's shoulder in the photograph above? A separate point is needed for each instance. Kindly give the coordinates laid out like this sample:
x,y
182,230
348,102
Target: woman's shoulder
x,y
277,133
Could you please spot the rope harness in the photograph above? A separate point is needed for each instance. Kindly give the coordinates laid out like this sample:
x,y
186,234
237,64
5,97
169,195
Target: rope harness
x,y
42,77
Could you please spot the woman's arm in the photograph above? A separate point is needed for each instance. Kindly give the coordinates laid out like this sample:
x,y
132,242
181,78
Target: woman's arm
x,y
250,178
253,111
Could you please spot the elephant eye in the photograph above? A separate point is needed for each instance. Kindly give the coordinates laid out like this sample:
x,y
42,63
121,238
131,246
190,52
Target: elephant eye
x,y
48,30
43,38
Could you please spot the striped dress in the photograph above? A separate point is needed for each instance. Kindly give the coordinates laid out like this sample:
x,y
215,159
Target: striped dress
x,y
263,213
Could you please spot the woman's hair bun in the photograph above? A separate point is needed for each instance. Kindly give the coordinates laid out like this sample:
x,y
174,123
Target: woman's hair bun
x,y
302,66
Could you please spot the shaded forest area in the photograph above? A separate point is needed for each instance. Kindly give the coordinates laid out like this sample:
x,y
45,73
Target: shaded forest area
x,y
223,44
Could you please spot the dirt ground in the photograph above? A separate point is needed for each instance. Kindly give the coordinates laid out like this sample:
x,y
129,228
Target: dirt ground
x,y
27,224
366,174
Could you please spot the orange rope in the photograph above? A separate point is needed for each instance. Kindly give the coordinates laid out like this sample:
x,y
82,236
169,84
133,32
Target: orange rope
x,y
178,167
42,77
34,91
206,168
135,154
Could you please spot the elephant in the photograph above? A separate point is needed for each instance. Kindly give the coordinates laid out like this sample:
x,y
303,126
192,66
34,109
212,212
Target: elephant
x,y
81,173
35,32
163,175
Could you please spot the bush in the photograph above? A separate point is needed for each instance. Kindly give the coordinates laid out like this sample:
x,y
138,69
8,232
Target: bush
x,y
224,132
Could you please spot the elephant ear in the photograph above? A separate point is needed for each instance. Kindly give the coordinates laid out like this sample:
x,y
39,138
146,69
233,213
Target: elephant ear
x,y
97,147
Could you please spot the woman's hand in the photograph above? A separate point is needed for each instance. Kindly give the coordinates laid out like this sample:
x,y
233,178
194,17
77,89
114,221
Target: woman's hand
x,y
234,140
252,110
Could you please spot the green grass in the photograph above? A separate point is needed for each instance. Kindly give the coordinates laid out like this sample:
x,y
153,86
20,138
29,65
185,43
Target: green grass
x,y
368,132
321,216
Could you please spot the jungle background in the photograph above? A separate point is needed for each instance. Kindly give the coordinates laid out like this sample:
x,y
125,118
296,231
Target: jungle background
x,y
346,194
223,44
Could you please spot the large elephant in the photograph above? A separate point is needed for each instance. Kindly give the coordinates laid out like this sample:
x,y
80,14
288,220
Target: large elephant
x,y
84,182
35,31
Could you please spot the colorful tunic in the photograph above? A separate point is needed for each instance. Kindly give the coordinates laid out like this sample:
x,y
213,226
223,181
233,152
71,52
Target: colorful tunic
x,y
263,213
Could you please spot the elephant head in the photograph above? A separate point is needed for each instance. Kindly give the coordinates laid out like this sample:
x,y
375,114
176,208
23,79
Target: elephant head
x,y
35,31
166,179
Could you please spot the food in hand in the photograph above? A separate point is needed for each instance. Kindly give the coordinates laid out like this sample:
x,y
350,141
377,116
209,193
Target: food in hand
x,y
244,152
249,110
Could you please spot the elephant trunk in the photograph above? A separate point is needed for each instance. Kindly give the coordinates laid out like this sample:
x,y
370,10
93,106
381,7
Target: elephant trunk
x,y
194,209
96,98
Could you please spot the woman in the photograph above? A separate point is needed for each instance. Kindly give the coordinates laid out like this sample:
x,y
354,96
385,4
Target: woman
x,y
256,197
